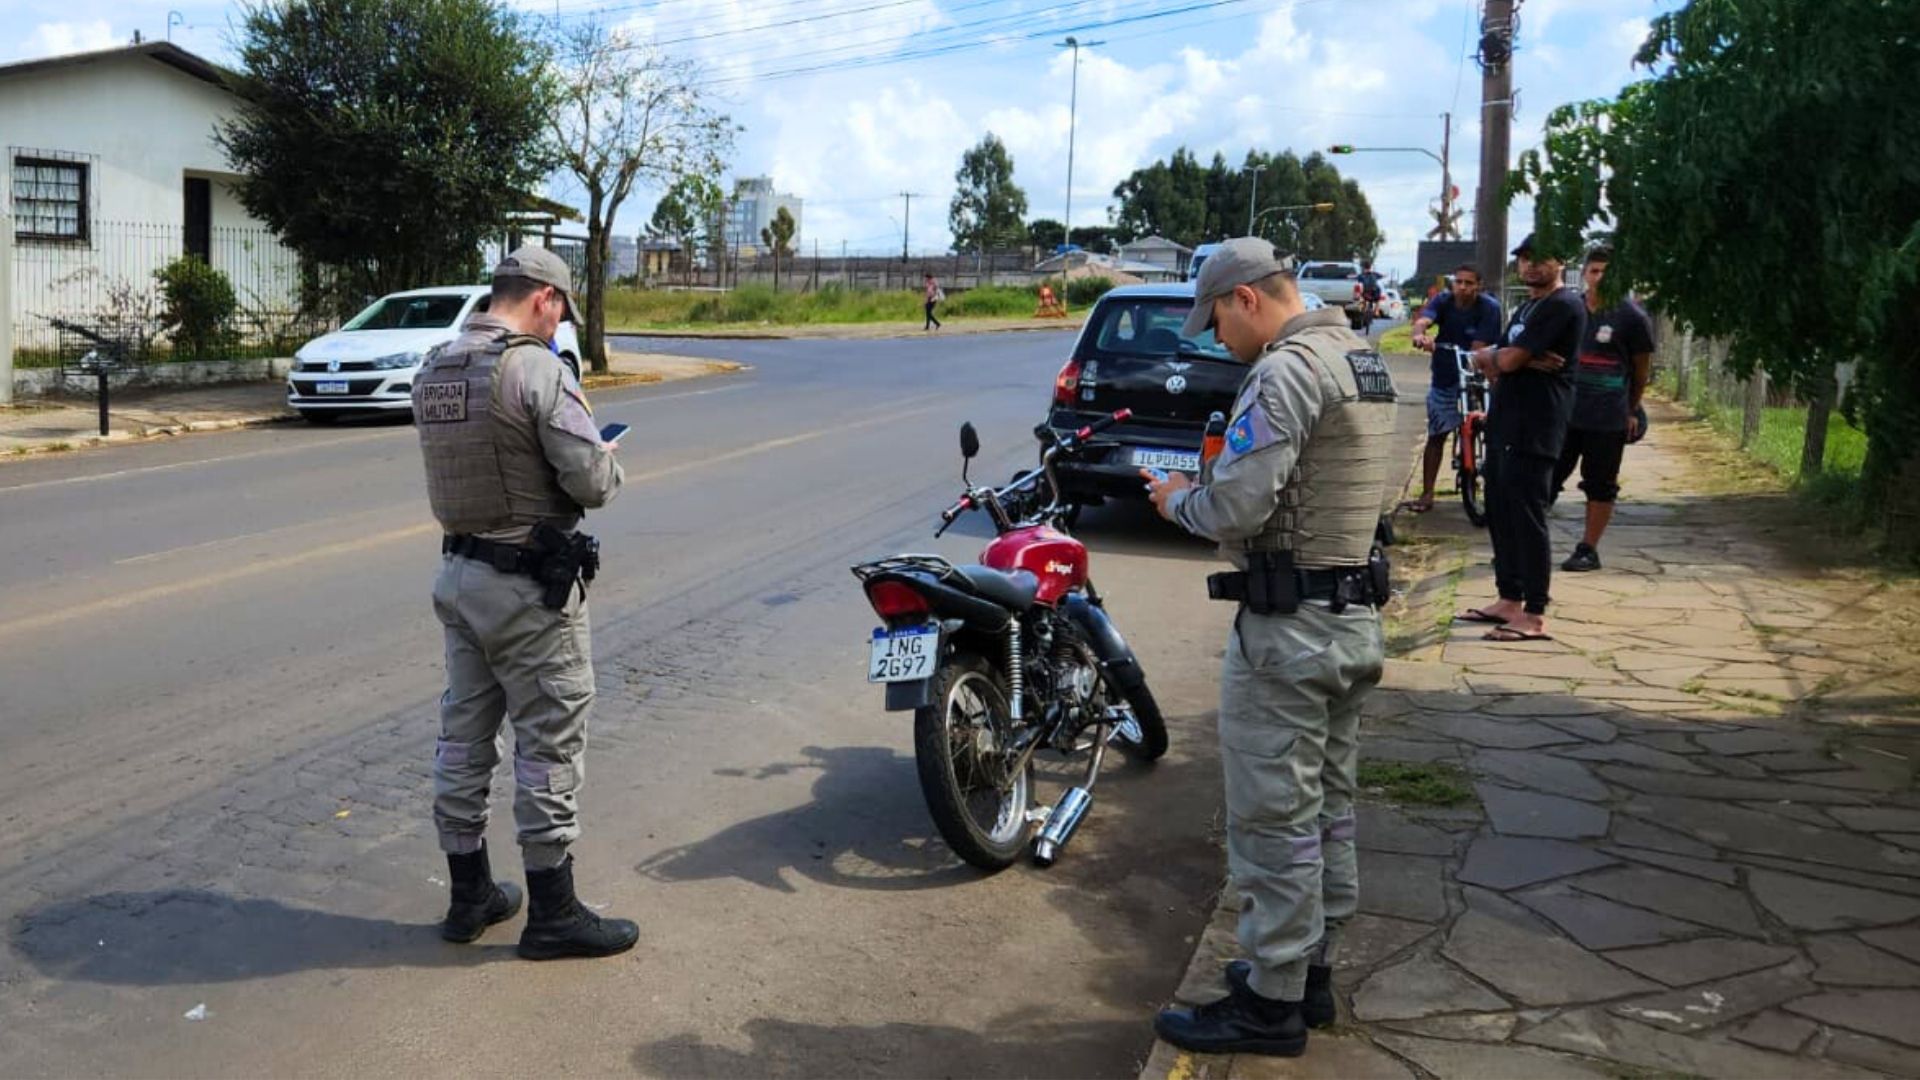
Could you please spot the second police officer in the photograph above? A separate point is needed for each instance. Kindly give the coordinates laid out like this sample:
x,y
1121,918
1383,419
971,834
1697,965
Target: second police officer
x,y
513,460
1293,501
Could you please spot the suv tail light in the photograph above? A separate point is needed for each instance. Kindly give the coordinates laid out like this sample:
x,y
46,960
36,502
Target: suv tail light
x,y
1067,383
893,599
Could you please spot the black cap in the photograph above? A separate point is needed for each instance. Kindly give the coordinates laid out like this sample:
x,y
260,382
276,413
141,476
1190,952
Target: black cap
x,y
1524,247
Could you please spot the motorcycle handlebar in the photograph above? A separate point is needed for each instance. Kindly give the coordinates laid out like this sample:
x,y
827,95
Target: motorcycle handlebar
x,y
1102,424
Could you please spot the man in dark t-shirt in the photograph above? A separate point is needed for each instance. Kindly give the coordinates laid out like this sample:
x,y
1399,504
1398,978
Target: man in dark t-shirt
x,y
1616,356
1526,429
1465,318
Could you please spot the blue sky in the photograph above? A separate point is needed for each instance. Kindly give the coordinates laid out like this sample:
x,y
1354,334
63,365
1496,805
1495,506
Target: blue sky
x,y
849,102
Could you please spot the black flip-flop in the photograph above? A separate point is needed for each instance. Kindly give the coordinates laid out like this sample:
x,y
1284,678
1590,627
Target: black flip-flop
x,y
1507,635
1476,615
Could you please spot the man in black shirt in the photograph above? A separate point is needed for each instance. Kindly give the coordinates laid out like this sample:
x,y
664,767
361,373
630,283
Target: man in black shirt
x,y
1526,429
1616,356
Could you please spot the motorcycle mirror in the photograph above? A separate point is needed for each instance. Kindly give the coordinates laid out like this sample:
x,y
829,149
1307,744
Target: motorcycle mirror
x,y
969,441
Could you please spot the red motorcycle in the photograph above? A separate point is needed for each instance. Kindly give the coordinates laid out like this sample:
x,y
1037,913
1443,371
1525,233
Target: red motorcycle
x,y
1005,659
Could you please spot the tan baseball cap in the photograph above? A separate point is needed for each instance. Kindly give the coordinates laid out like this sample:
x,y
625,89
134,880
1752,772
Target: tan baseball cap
x,y
1240,261
538,264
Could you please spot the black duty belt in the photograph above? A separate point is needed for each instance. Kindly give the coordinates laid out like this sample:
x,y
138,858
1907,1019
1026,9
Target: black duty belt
x,y
505,558
1310,584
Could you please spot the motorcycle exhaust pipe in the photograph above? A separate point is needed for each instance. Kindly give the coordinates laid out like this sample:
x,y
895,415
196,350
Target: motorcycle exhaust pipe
x,y
1061,823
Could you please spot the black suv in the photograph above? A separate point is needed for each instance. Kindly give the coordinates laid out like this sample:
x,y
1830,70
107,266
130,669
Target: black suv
x,y
1130,355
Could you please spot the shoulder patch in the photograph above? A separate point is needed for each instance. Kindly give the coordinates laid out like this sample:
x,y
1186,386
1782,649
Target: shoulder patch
x,y
1370,374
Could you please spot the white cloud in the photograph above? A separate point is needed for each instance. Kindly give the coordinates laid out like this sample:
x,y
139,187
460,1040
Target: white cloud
x,y
61,38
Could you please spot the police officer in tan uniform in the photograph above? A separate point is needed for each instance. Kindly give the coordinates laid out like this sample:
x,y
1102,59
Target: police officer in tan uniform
x,y
514,459
1293,501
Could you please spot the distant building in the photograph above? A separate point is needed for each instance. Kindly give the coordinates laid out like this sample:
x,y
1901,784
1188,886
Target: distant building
x,y
1159,251
752,209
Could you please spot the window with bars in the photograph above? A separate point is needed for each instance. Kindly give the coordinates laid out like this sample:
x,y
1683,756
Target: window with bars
x,y
49,199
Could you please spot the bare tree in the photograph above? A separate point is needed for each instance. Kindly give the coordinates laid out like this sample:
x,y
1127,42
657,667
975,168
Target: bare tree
x,y
628,114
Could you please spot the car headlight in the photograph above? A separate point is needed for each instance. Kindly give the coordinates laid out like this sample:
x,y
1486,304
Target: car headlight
x,y
396,361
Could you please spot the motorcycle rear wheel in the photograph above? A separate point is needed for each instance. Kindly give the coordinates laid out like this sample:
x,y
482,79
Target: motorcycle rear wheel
x,y
961,746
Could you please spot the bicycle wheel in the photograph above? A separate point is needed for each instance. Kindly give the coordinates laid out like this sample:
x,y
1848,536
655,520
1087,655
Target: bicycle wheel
x,y
1471,475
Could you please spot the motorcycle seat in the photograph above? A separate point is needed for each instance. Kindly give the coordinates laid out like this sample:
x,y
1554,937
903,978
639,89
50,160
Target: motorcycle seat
x,y
1015,590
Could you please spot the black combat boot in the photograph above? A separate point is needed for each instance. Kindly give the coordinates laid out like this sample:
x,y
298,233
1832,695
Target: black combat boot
x,y
1317,1009
1243,1022
559,925
478,900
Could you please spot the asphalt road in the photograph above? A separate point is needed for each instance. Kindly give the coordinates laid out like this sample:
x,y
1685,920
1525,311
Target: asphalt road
x,y
218,668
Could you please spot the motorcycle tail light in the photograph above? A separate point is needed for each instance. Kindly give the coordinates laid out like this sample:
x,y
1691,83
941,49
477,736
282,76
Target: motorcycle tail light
x,y
893,600
1067,383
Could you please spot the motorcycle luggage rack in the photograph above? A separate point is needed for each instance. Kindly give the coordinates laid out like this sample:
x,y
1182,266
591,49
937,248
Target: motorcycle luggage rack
x,y
940,568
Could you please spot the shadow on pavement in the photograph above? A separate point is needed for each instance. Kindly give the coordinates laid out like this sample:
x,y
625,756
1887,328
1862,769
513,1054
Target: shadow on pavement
x,y
1012,1046
866,828
180,936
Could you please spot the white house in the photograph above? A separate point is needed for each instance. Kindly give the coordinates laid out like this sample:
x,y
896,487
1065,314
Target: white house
x,y
113,172
1170,257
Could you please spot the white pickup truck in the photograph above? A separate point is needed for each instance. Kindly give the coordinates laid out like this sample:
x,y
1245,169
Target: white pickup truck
x,y
1335,283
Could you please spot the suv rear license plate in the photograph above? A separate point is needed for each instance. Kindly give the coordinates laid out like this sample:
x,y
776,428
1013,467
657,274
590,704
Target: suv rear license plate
x,y
1180,460
903,655
330,388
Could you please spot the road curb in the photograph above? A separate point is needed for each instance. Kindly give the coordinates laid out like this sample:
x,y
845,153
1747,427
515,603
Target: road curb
x,y
790,335
88,442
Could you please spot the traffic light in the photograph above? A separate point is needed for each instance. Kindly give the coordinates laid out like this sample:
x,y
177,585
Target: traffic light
x,y
1341,148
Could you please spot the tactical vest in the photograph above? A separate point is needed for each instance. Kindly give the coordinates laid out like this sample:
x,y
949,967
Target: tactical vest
x,y
1331,503
486,470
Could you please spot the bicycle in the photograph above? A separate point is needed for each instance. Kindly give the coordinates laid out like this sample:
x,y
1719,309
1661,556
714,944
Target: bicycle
x,y
1470,439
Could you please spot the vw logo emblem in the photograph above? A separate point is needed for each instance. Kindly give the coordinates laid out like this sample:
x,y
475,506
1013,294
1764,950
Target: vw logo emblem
x,y
333,365
1177,384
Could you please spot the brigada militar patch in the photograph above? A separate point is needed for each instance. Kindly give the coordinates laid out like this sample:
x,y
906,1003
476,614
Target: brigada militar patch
x,y
1371,376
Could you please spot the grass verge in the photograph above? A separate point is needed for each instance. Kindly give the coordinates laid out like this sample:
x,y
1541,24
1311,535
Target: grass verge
x,y
756,305
1397,340
1835,491
1427,784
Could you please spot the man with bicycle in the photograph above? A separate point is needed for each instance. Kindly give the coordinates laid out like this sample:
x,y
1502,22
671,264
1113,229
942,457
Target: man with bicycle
x,y
1370,291
1467,319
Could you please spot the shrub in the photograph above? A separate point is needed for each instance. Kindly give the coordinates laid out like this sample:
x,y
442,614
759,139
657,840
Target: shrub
x,y
1083,291
197,306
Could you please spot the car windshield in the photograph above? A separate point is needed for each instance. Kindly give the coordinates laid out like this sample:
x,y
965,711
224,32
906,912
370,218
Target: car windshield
x,y
410,312
1329,271
1150,326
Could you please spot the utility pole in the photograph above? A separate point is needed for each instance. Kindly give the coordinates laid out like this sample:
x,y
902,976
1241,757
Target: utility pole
x,y
1496,121
906,221
1446,176
1254,195
1073,114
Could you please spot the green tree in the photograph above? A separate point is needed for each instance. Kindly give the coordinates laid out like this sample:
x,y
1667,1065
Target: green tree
x,y
1046,234
627,114
1763,186
684,215
387,138
778,236
1191,204
988,207
1103,239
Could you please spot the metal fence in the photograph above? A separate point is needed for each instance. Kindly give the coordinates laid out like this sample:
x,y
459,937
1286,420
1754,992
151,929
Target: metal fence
x,y
107,286
808,271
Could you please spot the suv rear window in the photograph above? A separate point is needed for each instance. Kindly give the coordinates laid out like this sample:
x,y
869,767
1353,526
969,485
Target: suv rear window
x,y
1329,272
1150,326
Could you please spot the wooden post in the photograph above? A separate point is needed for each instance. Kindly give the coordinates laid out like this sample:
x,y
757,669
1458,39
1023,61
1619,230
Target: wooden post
x,y
1756,404
6,309
1685,381
1813,446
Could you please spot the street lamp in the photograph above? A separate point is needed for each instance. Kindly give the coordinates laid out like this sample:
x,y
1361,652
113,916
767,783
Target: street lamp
x,y
1073,112
1254,195
1319,208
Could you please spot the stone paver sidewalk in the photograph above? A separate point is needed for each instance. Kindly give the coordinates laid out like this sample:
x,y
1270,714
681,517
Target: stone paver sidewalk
x,y
1693,845
70,422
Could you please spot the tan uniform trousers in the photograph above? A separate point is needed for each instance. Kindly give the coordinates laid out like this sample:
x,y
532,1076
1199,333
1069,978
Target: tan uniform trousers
x,y
1290,694
510,659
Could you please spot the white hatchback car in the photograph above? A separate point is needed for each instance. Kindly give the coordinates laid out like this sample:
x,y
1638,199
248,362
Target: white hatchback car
x,y
368,365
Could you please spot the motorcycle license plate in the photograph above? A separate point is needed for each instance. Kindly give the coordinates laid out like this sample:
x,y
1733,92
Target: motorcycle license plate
x,y
903,655
1173,460
330,388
